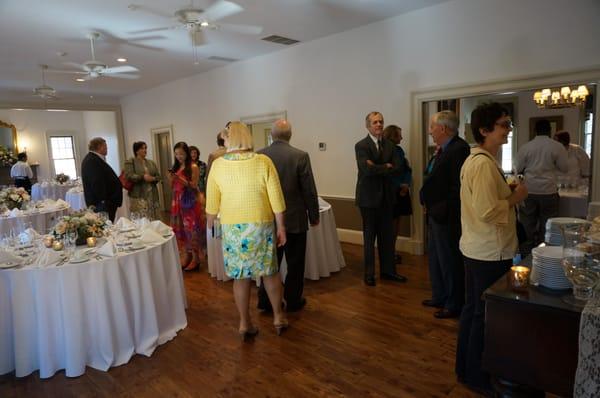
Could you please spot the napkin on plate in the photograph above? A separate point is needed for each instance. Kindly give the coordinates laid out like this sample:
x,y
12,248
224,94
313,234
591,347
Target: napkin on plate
x,y
159,227
47,258
150,237
108,249
125,224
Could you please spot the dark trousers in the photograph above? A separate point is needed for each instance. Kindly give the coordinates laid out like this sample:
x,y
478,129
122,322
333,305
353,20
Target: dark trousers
x,y
295,254
533,214
479,276
109,208
23,182
446,267
378,225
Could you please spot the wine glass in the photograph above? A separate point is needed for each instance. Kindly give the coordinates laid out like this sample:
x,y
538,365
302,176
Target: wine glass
x,y
581,267
70,241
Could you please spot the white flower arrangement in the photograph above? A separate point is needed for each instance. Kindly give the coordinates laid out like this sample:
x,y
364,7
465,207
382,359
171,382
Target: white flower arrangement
x,y
14,197
62,178
7,158
86,223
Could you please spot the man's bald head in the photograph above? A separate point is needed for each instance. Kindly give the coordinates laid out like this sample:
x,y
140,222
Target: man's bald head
x,y
282,130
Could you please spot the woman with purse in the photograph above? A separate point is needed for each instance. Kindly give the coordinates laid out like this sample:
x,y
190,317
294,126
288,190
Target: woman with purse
x,y
187,219
142,175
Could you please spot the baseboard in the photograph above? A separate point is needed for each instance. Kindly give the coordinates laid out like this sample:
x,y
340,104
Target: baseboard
x,y
404,244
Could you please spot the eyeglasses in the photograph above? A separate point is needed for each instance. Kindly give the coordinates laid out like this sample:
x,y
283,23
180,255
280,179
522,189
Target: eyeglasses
x,y
507,124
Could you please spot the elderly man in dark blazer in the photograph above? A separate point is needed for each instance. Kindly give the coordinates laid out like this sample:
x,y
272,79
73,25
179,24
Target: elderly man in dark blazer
x,y
101,186
440,195
377,162
302,208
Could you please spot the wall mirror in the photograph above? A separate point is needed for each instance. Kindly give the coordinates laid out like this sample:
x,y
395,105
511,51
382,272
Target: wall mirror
x,y
8,136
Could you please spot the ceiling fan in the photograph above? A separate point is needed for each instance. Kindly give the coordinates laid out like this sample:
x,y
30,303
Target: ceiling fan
x,y
94,68
44,91
196,21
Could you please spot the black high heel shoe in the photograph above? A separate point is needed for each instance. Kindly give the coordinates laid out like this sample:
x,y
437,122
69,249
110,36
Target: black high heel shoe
x,y
249,334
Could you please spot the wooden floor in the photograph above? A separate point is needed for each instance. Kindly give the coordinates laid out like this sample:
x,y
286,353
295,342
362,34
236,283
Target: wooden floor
x,y
350,340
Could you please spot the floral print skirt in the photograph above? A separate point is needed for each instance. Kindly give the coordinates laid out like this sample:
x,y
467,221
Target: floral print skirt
x,y
248,250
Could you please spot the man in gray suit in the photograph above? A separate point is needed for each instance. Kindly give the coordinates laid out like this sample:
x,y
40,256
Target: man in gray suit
x,y
302,207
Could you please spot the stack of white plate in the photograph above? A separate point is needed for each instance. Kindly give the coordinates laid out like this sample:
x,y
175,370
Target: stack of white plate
x,y
547,269
553,233
593,210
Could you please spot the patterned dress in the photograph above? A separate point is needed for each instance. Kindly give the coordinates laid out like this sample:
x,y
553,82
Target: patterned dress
x,y
189,225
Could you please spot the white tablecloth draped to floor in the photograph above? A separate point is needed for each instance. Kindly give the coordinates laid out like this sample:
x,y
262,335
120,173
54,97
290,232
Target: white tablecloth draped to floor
x,y
50,190
124,211
323,250
75,198
97,314
572,203
41,221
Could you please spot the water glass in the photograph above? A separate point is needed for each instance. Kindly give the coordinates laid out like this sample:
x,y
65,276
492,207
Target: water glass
x,y
580,267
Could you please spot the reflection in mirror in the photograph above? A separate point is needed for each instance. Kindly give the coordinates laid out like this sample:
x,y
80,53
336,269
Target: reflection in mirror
x,y
8,136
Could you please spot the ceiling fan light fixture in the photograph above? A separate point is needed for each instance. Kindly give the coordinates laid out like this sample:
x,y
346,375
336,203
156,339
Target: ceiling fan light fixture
x,y
79,79
204,24
121,59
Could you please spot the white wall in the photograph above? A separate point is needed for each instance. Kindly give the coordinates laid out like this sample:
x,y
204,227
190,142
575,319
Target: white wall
x,y
328,85
103,124
32,126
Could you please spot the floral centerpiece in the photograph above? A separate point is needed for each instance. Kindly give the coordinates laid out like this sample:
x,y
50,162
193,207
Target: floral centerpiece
x,y
14,198
62,178
85,223
7,157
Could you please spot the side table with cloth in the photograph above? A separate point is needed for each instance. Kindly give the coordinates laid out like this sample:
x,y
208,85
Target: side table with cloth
x,y
49,190
323,250
41,219
572,203
98,313
75,198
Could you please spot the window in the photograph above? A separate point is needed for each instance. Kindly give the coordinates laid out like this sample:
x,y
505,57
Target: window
x,y
507,154
587,134
63,155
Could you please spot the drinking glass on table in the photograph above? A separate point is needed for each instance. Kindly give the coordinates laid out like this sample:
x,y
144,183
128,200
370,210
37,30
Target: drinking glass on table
x,y
581,267
70,242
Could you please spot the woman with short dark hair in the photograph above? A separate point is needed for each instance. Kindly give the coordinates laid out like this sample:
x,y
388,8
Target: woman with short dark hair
x,y
144,175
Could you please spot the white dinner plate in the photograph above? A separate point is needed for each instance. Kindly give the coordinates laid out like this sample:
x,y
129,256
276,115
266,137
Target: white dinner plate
x,y
79,260
10,264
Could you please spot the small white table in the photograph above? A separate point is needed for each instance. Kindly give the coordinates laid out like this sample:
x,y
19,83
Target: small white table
x,y
50,190
323,250
97,313
572,203
76,199
39,219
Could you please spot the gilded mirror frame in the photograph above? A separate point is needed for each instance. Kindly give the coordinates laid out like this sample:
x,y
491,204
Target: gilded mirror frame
x,y
14,135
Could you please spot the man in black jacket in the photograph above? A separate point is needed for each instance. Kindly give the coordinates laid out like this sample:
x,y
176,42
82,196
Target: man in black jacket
x,y
101,186
301,208
377,162
440,195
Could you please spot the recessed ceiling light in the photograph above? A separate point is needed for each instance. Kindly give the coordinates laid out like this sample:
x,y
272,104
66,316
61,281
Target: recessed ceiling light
x,y
57,110
121,59
80,79
204,24
18,109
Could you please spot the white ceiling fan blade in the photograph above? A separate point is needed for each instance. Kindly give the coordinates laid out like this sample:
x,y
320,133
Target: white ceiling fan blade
x,y
221,9
71,72
123,76
120,69
163,28
149,10
198,37
242,29
76,65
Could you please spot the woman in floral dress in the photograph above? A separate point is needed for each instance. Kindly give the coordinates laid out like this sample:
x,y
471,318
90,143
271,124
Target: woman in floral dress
x,y
243,188
187,219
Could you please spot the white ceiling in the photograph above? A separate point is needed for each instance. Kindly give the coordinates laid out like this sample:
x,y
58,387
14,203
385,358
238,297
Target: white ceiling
x,y
34,32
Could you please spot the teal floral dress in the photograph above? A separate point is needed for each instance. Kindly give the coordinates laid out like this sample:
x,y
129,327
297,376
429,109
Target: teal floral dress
x,y
248,249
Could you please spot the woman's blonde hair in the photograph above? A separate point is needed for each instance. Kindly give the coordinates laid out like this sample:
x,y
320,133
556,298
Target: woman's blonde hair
x,y
238,137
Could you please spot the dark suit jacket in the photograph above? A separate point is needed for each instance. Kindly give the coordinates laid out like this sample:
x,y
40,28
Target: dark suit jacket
x,y
297,183
101,186
441,188
374,186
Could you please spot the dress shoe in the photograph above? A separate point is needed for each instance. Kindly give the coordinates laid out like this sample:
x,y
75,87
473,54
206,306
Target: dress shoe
x,y
445,313
431,303
297,307
394,277
248,334
281,327
370,281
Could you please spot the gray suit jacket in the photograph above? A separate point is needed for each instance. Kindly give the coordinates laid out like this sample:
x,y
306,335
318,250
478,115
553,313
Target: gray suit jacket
x,y
297,183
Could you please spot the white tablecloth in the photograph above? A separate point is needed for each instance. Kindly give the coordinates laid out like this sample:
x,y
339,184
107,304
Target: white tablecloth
x,y
77,202
97,314
572,204
54,191
76,199
124,211
323,250
41,221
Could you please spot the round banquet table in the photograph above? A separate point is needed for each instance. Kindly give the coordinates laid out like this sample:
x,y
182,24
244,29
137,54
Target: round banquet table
x,y
98,313
323,251
76,199
41,220
54,191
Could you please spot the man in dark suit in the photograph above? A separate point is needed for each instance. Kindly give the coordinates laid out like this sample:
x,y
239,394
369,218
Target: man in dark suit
x,y
440,195
377,162
101,186
302,207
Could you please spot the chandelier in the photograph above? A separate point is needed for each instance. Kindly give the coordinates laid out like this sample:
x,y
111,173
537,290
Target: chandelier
x,y
563,98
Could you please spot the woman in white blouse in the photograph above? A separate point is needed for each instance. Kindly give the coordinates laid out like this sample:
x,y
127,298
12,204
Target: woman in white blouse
x,y
489,238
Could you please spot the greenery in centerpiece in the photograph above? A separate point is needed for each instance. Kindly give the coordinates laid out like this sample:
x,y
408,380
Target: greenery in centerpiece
x,y
86,223
14,198
62,178
7,157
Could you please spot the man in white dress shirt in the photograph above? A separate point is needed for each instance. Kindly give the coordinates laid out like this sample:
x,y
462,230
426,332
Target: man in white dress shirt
x,y
21,173
540,160
578,160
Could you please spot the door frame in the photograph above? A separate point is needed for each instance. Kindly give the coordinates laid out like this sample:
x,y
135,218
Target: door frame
x,y
154,132
263,118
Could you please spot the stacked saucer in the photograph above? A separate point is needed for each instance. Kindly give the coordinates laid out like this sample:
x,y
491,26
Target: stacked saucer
x,y
547,269
553,228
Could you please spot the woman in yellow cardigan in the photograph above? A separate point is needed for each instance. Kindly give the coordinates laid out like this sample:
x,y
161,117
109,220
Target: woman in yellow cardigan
x,y
243,188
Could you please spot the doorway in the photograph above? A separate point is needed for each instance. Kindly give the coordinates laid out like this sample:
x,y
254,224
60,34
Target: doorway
x,y
162,139
260,127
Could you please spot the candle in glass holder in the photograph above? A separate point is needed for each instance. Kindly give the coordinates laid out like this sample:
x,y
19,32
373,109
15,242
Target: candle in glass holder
x,y
91,241
57,245
519,277
48,241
